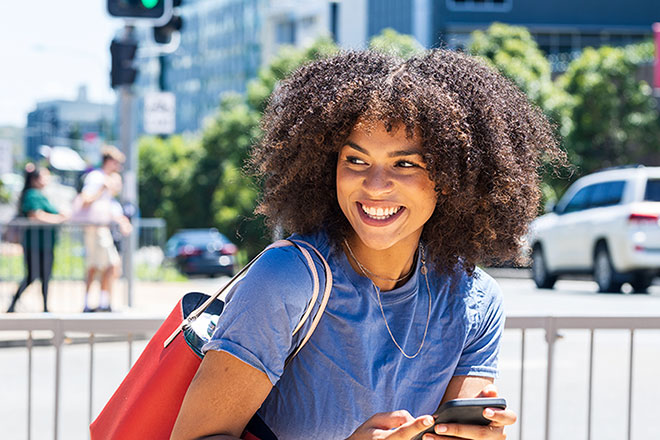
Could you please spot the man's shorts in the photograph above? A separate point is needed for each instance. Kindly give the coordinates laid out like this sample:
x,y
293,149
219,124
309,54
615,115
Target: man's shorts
x,y
99,247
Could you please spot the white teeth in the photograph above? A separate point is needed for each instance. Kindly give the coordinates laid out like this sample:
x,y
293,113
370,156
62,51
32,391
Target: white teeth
x,y
380,213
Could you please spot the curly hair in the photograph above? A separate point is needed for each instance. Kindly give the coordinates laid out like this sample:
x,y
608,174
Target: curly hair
x,y
483,144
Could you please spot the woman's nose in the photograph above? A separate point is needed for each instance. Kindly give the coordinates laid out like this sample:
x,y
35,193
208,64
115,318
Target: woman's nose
x,y
377,181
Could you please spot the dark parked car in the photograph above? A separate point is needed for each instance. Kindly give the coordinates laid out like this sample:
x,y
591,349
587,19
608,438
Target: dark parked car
x,y
202,252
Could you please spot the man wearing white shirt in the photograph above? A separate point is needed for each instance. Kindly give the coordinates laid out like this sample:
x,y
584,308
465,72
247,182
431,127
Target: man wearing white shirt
x,y
97,197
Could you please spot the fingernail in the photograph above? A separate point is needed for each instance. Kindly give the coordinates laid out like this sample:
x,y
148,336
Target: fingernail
x,y
489,412
441,428
428,421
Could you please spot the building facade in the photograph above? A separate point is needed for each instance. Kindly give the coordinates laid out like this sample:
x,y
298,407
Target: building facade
x,y
559,26
80,125
223,44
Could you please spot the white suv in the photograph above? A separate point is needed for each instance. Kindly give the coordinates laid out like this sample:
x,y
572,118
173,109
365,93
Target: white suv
x,y
607,224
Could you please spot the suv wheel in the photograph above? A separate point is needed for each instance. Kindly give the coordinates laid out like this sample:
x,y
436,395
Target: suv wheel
x,y
605,275
540,274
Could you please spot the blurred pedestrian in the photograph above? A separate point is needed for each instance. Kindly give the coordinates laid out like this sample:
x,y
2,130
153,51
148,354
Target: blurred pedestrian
x,y
97,200
120,226
38,240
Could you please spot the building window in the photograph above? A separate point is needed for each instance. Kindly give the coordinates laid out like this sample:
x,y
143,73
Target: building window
x,y
480,5
285,32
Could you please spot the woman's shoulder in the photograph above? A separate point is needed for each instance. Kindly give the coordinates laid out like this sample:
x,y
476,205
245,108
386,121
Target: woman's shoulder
x,y
33,200
286,269
478,291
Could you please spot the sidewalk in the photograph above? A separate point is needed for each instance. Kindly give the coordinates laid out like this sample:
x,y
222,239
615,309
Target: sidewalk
x,y
67,296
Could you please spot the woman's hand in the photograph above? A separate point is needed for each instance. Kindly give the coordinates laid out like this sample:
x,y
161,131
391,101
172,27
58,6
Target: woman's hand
x,y
397,425
495,431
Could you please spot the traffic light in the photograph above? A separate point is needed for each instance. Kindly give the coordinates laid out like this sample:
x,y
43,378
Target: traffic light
x,y
156,12
163,33
122,72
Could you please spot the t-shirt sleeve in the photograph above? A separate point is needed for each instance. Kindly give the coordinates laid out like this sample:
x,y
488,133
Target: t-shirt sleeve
x,y
93,182
481,351
35,201
262,311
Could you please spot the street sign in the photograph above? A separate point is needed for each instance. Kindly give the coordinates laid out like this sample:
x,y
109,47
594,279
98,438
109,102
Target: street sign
x,y
159,113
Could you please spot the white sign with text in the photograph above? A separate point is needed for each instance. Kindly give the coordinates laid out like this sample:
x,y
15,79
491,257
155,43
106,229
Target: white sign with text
x,y
159,113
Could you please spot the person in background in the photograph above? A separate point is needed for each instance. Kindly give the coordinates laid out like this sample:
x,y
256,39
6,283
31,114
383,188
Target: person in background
x,y
121,224
39,240
96,200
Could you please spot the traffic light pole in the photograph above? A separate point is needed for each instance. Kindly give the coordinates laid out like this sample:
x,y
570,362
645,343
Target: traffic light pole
x,y
130,191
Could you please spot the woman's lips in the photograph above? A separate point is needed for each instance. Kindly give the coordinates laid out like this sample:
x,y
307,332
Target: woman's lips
x,y
372,221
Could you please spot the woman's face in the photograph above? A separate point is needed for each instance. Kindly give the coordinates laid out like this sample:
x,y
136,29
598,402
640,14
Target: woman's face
x,y
43,179
383,187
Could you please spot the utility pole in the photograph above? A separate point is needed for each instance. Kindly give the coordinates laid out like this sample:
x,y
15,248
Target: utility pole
x,y
159,14
130,191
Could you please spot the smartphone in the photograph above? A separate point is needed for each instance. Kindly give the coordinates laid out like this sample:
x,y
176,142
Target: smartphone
x,y
464,411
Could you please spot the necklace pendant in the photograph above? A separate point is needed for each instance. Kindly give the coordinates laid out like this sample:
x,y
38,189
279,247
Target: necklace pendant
x,y
422,270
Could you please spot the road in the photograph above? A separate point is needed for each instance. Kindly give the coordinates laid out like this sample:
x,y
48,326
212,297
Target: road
x,y
569,410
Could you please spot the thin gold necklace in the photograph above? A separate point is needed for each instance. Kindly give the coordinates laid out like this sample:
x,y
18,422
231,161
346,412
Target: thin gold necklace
x,y
366,271
423,270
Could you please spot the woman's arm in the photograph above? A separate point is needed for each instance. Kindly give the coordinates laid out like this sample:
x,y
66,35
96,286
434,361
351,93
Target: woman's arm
x,y
46,217
222,398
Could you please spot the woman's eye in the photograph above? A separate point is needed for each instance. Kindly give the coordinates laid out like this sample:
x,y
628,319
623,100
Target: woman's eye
x,y
406,164
354,160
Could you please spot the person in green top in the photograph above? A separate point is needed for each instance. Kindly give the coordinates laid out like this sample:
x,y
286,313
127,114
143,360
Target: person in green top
x,y
39,240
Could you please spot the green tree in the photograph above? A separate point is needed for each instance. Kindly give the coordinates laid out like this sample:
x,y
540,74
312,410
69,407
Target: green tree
x,y
513,51
614,117
4,193
287,60
164,175
391,42
226,197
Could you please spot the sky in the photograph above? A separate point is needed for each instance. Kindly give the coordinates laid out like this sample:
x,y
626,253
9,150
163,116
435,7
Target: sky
x,y
48,49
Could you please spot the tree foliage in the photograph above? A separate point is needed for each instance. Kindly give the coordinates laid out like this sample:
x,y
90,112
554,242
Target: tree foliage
x,y
227,196
513,51
164,178
613,115
287,60
391,42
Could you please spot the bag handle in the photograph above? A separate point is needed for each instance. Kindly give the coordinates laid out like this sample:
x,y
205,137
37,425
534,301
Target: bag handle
x,y
324,300
310,262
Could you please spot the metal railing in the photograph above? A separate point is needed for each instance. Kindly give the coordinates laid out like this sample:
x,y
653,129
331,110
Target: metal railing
x,y
131,328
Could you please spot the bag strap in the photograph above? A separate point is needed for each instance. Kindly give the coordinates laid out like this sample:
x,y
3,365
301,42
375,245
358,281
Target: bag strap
x,y
324,300
315,281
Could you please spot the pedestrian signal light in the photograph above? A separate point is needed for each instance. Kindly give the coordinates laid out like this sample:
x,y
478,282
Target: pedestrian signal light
x,y
123,71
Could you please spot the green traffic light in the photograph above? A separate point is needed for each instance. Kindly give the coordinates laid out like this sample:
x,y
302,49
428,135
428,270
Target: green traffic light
x,y
149,4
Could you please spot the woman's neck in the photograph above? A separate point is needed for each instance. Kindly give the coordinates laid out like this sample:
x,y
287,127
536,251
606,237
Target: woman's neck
x,y
386,268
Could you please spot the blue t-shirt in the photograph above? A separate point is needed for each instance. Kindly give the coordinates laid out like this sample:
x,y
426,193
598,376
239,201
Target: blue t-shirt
x,y
350,369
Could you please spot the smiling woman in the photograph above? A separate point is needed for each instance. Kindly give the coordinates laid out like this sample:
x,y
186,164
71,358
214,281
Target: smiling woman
x,y
403,175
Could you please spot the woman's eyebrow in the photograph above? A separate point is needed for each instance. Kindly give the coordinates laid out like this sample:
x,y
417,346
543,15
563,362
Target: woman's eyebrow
x,y
411,152
355,146
405,153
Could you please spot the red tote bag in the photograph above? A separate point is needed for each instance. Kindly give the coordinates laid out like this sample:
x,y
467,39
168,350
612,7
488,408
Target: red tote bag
x,y
147,403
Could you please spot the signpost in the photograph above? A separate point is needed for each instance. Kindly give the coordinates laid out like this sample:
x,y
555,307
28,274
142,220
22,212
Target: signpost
x,y
159,113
